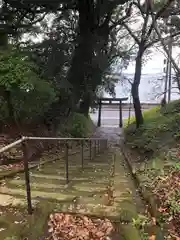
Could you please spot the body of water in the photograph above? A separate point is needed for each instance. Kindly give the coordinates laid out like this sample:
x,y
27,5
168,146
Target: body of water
x,y
150,91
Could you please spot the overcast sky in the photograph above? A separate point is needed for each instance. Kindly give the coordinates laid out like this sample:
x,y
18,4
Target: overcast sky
x,y
156,62
155,65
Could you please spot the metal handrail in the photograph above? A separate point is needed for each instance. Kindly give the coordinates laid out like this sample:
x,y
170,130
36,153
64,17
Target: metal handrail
x,y
25,138
11,145
23,141
59,138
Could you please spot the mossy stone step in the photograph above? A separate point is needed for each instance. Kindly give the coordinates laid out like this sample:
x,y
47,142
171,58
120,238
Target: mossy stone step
x,y
38,194
34,185
6,200
90,187
44,176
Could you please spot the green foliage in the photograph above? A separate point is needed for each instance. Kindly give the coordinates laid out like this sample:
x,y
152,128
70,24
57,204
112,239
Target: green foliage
x,y
171,108
57,57
172,202
33,104
16,71
161,127
31,95
79,125
147,114
140,221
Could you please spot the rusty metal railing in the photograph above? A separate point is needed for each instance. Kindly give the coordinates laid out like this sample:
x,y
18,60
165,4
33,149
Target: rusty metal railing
x,y
95,146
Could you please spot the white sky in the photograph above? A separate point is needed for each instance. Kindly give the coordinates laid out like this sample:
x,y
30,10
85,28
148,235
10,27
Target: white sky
x,y
156,62
155,65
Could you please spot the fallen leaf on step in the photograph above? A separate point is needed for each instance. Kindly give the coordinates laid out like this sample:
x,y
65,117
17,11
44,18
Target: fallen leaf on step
x,y
66,226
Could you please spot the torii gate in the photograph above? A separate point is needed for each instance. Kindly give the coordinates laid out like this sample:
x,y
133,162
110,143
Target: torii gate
x,y
111,101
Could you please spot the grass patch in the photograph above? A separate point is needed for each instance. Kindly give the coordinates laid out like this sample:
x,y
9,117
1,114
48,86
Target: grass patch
x,y
154,152
147,114
161,128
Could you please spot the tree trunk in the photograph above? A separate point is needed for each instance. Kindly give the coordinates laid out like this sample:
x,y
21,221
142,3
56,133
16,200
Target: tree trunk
x,y
6,94
3,39
85,104
135,88
12,115
81,64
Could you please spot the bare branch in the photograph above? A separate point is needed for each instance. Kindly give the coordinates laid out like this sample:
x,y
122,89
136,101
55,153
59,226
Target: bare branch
x,y
158,15
162,93
143,37
161,39
138,5
132,34
33,23
120,21
115,24
129,80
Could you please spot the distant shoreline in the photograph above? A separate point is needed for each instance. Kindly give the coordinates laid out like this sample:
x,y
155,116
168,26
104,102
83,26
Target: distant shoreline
x,y
150,89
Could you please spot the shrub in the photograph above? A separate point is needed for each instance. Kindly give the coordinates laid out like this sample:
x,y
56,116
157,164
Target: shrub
x,y
29,94
171,108
79,125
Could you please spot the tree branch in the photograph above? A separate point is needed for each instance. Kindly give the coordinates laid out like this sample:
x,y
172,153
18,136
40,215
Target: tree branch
x,y
29,25
159,39
132,34
164,44
128,14
158,14
138,5
143,35
160,94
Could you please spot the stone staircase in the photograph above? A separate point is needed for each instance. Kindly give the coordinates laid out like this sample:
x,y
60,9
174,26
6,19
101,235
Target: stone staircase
x,y
102,188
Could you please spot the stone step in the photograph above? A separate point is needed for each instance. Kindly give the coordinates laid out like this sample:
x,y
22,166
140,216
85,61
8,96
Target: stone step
x,y
38,194
6,200
21,183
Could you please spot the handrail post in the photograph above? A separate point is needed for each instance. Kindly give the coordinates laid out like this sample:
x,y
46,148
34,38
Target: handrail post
x,y
106,146
90,150
67,161
82,154
101,145
27,178
99,113
98,146
120,114
94,148
97,143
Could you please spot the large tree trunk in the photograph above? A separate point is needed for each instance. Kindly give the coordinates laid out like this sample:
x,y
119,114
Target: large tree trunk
x,y
81,64
135,88
12,119
3,39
